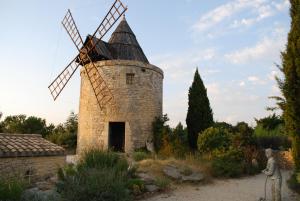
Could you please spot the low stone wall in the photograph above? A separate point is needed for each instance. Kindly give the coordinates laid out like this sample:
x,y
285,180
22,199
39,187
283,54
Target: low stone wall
x,y
37,168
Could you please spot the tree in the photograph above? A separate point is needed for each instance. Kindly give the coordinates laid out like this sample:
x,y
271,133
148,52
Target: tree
x,y
290,85
160,130
14,124
35,125
199,115
71,125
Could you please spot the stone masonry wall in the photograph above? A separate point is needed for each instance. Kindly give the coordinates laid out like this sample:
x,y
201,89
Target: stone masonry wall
x,y
38,168
137,104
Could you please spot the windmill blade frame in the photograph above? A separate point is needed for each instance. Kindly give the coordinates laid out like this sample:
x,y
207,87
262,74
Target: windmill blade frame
x,y
63,78
102,92
113,15
72,30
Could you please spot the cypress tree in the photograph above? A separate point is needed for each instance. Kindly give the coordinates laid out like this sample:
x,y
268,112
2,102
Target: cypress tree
x,y
199,115
291,83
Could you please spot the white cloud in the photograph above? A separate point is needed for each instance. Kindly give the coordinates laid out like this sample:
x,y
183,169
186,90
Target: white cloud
x,y
256,80
264,49
237,13
242,83
272,74
283,5
253,79
222,12
177,66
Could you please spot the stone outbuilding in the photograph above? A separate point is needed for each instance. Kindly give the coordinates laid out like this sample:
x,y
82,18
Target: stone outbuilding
x,y
137,87
29,155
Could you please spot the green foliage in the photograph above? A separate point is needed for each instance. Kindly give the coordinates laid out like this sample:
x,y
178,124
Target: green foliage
x,y
140,155
229,164
99,176
213,139
294,182
243,135
169,142
274,142
179,141
260,131
22,124
199,115
136,186
270,123
98,159
35,195
269,133
232,149
11,189
223,125
162,182
65,134
160,129
290,85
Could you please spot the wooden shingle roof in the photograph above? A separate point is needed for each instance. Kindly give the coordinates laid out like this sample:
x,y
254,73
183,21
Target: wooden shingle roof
x,y
122,45
25,145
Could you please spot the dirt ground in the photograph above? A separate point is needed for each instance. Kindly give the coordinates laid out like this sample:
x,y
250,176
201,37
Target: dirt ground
x,y
244,189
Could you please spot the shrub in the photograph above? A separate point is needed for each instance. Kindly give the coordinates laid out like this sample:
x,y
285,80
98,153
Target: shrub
x,y
274,142
99,176
293,182
140,155
243,135
11,189
136,186
213,139
35,195
162,182
99,159
230,164
160,130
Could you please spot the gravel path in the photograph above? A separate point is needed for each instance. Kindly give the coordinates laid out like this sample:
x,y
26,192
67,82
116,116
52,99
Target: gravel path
x,y
245,189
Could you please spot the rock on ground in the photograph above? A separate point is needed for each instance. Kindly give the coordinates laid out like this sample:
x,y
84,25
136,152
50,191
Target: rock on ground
x,y
244,189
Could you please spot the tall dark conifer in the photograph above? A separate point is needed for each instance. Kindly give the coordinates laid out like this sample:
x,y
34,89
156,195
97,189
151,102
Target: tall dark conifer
x,y
199,115
290,85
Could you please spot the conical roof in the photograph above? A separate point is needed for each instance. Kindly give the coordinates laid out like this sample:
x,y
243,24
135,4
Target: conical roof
x,y
124,45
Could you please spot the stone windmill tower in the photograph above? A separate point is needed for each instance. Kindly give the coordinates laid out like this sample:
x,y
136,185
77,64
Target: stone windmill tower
x,y
121,92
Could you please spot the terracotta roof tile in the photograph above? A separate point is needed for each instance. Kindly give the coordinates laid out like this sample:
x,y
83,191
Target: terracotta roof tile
x,y
16,145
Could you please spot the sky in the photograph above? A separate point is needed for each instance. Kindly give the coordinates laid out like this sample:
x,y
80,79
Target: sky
x,y
235,44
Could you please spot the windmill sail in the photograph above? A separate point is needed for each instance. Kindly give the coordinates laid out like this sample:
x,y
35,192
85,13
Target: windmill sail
x,y
102,92
71,28
63,78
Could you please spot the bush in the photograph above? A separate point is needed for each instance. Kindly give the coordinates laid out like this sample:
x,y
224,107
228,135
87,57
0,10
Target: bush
x,y
11,189
213,139
230,164
136,186
140,155
274,142
99,176
162,182
35,195
160,130
293,182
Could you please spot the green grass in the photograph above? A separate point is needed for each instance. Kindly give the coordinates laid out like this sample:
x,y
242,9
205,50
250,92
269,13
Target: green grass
x,y
11,189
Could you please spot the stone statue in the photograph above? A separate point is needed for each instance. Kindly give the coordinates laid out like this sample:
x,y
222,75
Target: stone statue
x,y
150,145
272,171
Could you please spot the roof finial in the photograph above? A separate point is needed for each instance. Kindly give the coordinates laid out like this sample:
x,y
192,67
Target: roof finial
x,y
124,17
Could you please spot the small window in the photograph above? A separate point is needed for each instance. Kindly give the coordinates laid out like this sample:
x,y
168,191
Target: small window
x,y
129,78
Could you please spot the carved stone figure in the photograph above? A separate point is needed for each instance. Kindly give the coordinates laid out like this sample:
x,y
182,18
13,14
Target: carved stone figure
x,y
273,172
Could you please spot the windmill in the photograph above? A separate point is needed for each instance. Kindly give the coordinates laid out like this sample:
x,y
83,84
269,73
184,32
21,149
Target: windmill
x,y
85,56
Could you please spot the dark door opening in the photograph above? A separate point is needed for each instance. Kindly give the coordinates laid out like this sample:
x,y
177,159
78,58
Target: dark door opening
x,y
117,136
